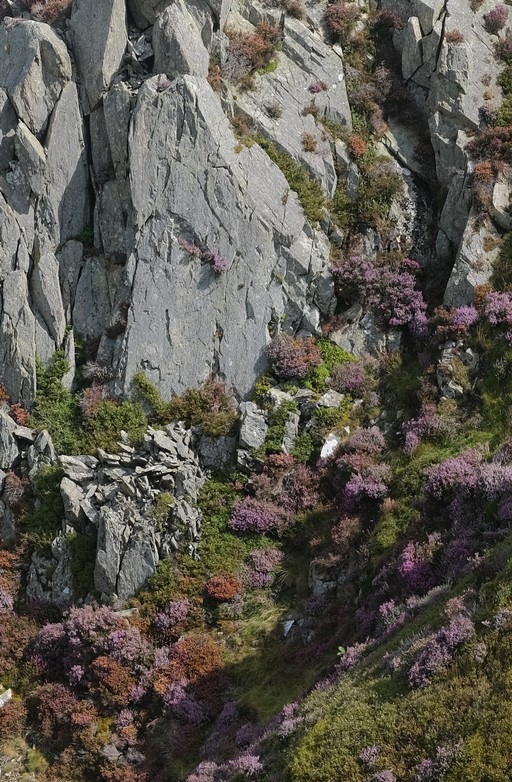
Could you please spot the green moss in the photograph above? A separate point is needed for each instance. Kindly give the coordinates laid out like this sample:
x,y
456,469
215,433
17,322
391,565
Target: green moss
x,y
101,430
502,270
55,408
196,407
41,524
303,448
308,190
270,68
328,418
505,80
158,409
276,429
332,354
316,379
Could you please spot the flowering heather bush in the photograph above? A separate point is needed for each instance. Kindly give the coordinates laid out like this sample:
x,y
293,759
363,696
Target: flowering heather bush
x,y
250,515
91,399
223,587
352,656
14,489
370,441
183,705
262,562
439,652
492,144
355,377
384,776
248,765
460,472
428,424
341,18
318,86
247,52
217,261
293,357
465,317
496,19
416,568
20,415
356,146
172,616
434,770
369,755
498,308
390,290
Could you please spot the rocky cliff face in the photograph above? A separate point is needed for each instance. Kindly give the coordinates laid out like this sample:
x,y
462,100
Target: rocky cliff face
x,y
134,219
116,151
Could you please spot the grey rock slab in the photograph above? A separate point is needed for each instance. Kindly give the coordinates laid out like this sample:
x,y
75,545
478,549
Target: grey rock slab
x,y
5,697
72,496
7,524
253,429
500,206
331,398
70,258
178,43
291,431
474,262
17,346
75,469
31,156
47,298
8,123
9,450
216,452
63,211
95,296
189,183
145,12
99,41
34,67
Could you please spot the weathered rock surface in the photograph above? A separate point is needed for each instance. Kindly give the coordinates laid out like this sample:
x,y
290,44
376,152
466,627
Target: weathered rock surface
x,y
225,201
474,262
178,42
99,40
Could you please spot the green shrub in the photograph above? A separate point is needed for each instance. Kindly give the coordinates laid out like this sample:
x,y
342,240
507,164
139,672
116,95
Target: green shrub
x,y
158,409
55,408
43,523
83,555
209,407
308,190
101,429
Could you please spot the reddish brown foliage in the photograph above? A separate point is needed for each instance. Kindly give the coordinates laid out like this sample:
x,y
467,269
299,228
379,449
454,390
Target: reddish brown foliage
x,y
20,415
12,720
114,681
356,146
196,656
223,587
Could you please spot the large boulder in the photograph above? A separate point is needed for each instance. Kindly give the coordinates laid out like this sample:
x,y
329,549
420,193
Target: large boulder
x,y
99,42
178,43
34,67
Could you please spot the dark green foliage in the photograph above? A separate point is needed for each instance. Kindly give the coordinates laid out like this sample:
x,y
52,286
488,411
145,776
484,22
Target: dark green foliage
x,y
276,428
502,271
101,429
303,447
209,407
308,190
83,553
43,523
505,80
158,411
55,408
